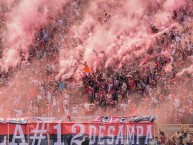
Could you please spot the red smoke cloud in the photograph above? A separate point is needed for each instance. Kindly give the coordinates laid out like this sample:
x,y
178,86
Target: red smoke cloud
x,y
23,21
114,33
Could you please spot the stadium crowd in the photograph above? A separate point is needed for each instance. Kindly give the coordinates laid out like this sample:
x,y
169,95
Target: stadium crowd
x,y
150,87
152,83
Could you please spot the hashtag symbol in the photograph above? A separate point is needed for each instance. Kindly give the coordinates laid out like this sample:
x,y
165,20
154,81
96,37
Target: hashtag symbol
x,y
38,134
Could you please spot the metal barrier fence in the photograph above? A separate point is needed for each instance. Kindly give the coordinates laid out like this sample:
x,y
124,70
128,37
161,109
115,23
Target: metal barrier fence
x,y
173,131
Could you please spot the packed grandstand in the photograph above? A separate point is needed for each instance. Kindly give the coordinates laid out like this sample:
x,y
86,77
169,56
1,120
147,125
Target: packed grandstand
x,y
74,58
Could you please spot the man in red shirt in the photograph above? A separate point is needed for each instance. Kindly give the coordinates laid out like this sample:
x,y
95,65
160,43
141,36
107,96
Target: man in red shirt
x,y
162,138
